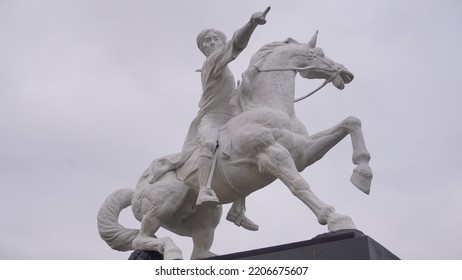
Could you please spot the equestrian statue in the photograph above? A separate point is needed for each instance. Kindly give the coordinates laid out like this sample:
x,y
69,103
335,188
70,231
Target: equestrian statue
x,y
243,138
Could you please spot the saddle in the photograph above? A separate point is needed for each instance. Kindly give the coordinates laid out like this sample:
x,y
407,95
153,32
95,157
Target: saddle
x,y
186,163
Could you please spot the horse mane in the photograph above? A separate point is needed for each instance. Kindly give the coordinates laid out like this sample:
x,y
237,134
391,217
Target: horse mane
x,y
265,50
242,99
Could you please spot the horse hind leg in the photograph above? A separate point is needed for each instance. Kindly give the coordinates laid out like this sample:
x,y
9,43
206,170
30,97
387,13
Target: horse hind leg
x,y
201,226
277,161
159,204
147,241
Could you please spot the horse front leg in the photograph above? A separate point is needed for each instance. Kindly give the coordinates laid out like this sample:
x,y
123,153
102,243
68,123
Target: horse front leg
x,y
275,160
317,145
362,174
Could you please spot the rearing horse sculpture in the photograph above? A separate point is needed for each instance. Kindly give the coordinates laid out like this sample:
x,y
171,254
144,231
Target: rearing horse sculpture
x,y
265,141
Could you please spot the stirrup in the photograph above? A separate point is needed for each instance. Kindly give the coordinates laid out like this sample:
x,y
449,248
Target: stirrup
x,y
207,198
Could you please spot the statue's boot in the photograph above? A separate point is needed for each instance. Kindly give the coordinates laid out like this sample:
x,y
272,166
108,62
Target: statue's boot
x,y
207,197
237,216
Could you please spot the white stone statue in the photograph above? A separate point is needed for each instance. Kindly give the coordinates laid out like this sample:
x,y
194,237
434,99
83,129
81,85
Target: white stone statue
x,y
259,140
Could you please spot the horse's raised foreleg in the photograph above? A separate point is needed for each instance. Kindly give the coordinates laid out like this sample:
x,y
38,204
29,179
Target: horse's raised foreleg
x,y
362,174
277,161
317,145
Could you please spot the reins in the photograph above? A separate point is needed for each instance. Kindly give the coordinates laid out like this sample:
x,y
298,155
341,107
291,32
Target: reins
x,y
299,69
314,91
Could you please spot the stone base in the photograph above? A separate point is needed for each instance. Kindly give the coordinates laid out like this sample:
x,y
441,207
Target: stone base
x,y
338,245
146,255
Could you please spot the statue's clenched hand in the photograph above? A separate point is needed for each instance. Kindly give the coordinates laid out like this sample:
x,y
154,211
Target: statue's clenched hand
x,y
260,17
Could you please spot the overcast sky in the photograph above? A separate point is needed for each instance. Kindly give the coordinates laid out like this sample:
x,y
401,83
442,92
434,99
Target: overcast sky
x,y
92,91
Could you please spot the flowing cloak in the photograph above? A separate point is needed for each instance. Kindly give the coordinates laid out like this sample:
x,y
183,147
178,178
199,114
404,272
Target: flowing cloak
x,y
218,87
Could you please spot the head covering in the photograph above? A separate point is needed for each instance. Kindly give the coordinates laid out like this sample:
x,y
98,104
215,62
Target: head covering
x,y
204,32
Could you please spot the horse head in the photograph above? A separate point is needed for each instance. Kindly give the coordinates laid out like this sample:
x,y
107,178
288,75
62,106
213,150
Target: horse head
x,y
305,58
322,67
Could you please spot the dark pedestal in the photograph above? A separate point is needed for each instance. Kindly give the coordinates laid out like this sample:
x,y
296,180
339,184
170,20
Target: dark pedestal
x,y
338,245
146,255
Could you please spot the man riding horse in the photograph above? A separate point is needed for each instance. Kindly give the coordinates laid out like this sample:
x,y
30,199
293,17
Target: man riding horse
x,y
262,143
218,87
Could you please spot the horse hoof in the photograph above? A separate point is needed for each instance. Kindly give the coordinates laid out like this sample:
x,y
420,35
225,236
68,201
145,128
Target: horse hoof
x,y
173,254
341,222
361,178
203,255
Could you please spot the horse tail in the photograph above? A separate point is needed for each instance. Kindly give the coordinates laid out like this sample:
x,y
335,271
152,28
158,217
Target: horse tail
x,y
116,236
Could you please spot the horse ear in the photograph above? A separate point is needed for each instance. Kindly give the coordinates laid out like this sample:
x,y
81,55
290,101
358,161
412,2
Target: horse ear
x,y
312,42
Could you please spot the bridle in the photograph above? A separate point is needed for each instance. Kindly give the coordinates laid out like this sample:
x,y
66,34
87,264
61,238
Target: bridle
x,y
297,69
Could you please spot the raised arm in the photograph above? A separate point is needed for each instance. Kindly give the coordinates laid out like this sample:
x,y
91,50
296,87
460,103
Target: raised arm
x,y
242,36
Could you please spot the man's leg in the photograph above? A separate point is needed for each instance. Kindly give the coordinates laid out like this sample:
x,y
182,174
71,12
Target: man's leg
x,y
207,136
206,195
